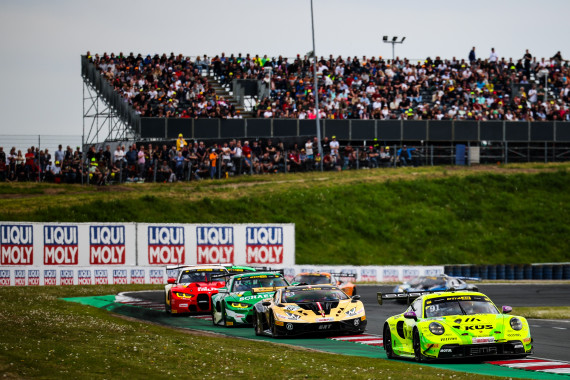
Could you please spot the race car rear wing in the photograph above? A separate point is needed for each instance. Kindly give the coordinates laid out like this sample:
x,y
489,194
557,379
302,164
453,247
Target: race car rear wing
x,y
259,269
409,297
343,274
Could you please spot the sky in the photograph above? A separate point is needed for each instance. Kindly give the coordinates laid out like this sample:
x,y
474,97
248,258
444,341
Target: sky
x,y
41,41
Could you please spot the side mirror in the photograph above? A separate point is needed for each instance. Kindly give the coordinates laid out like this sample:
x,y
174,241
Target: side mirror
x,y
171,281
411,315
507,309
355,298
266,303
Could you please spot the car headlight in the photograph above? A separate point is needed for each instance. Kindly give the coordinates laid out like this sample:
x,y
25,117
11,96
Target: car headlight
x,y
183,295
516,324
239,305
436,328
289,316
353,312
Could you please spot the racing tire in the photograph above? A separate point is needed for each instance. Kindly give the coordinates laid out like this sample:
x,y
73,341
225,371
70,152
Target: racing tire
x,y
273,327
224,316
387,340
167,307
213,311
257,324
417,347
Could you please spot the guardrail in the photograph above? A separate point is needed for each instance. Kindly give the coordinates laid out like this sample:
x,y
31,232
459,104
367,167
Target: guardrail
x,y
358,130
539,271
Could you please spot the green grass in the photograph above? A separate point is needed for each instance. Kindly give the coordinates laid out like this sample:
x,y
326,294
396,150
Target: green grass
x,y
46,337
431,215
552,312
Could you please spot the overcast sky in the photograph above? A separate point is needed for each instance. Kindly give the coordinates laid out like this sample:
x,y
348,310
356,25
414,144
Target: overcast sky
x,y
42,41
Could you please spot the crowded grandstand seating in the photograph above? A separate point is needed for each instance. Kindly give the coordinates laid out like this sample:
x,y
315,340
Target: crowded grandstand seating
x,y
349,88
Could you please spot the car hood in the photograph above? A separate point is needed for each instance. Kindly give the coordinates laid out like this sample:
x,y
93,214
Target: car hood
x,y
249,297
199,286
478,325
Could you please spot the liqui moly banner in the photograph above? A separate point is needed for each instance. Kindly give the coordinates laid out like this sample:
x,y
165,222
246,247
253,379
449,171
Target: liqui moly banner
x,y
205,244
16,244
66,275
215,245
61,245
165,245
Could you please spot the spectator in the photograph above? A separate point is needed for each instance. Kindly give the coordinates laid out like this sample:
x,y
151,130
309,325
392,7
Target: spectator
x,y
119,155
213,158
59,155
405,155
141,162
180,143
165,173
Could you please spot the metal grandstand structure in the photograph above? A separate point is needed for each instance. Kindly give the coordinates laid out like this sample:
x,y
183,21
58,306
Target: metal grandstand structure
x,y
106,116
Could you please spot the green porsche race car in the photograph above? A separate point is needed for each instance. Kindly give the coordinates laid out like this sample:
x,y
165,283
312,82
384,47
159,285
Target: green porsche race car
x,y
451,325
233,305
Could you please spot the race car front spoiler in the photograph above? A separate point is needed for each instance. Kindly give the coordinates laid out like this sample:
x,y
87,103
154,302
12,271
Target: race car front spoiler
x,y
511,348
355,325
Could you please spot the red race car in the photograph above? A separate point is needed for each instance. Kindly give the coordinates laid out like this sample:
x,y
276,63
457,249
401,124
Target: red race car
x,y
192,290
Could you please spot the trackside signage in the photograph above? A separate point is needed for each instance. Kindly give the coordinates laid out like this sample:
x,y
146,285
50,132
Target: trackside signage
x,y
215,245
61,245
166,245
264,245
16,244
107,245
125,253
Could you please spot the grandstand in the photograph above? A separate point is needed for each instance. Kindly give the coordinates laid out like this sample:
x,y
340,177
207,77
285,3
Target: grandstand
x,y
500,111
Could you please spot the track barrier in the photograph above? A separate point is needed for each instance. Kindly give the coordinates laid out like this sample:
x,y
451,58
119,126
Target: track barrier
x,y
537,271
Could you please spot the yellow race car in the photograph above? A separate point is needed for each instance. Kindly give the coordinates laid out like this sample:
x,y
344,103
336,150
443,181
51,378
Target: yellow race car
x,y
296,310
329,278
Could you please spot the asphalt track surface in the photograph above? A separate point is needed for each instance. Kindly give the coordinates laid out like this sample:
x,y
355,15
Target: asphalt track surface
x,y
551,337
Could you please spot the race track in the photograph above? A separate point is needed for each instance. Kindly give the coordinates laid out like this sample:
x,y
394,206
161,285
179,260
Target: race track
x,y
551,337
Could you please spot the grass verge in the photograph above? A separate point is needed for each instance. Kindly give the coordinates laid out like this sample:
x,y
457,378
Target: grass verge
x,y
420,216
45,337
552,312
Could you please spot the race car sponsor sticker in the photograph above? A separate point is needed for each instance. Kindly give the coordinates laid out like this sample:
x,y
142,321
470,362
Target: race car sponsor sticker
x,y
483,339
183,305
329,319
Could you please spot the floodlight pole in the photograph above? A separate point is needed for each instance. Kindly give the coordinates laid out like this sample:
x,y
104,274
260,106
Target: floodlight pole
x,y
316,89
394,41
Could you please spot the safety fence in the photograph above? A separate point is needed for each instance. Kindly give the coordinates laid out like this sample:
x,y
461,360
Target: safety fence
x,y
539,271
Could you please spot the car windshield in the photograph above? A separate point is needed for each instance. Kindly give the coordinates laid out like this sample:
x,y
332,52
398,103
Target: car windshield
x,y
244,284
313,295
476,305
190,276
427,282
312,279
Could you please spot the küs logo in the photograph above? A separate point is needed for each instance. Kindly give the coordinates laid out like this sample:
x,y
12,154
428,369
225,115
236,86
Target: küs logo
x,y
165,245
60,245
17,242
215,245
264,245
107,245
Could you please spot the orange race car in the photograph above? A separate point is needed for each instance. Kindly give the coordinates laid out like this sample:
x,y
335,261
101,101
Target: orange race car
x,y
328,278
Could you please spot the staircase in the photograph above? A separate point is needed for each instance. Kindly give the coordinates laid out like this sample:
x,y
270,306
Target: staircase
x,y
228,96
